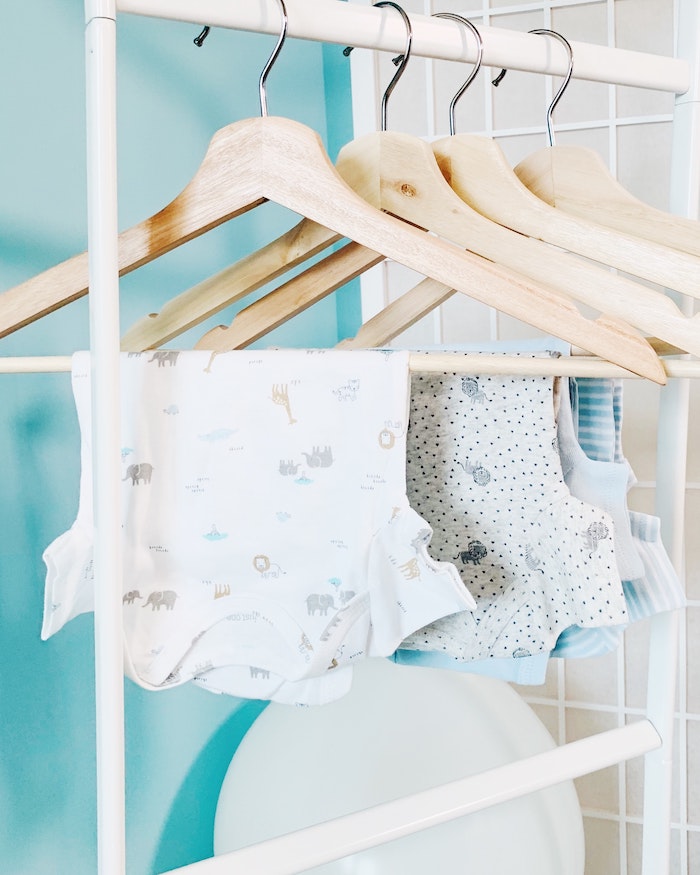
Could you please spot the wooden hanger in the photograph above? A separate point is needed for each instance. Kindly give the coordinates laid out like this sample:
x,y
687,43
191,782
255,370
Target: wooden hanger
x,y
190,308
433,197
68,281
575,181
478,171
271,158
398,173
279,159
290,299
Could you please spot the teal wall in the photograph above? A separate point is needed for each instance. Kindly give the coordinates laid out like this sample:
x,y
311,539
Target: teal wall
x,y
172,98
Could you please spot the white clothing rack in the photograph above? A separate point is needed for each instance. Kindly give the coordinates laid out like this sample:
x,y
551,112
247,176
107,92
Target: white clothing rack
x,y
348,23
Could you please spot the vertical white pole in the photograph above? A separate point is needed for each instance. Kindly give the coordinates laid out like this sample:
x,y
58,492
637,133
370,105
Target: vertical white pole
x,y
671,474
100,44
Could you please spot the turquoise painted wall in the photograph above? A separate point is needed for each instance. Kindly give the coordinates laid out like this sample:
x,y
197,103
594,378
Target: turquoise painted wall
x,y
172,98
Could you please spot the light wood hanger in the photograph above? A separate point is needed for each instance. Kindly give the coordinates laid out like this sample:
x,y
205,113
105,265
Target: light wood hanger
x,y
478,172
271,158
576,181
230,285
281,160
290,299
295,296
399,174
436,198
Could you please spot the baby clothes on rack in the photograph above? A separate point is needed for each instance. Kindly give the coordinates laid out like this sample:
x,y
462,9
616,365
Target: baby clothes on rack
x,y
268,541
483,469
602,477
597,472
590,443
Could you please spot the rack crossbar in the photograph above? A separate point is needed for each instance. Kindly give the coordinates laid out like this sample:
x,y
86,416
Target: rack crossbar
x,y
332,21
322,843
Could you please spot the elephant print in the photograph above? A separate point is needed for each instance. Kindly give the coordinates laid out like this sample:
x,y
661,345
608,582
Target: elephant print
x,y
139,472
288,467
165,597
257,672
131,596
163,356
347,392
319,458
319,602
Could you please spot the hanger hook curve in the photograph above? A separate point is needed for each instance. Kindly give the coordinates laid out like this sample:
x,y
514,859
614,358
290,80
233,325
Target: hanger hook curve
x,y
562,88
567,78
273,57
477,64
400,61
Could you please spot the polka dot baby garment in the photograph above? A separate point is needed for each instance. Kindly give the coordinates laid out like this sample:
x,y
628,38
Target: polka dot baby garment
x,y
484,472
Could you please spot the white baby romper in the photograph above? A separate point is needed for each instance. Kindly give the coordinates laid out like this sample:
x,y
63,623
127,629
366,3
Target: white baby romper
x,y
266,528
485,473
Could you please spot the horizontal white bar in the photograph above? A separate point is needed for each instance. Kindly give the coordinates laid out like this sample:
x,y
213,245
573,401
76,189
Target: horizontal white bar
x,y
333,21
436,362
337,838
37,364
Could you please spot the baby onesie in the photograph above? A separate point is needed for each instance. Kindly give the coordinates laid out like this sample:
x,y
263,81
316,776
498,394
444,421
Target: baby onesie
x,y
530,670
266,527
484,471
590,441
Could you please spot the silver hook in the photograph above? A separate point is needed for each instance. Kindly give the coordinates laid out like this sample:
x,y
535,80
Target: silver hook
x,y
273,57
477,65
562,39
400,61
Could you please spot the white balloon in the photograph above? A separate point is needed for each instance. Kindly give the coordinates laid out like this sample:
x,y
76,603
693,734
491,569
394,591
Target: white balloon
x,y
402,729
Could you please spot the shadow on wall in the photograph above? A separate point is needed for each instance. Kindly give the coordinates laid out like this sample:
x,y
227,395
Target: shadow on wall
x,y
188,832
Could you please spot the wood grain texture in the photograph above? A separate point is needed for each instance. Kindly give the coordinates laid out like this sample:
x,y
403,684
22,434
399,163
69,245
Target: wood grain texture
x,y
575,180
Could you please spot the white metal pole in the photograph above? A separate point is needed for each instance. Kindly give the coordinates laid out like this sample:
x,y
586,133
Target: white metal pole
x,y
672,446
298,851
100,44
333,21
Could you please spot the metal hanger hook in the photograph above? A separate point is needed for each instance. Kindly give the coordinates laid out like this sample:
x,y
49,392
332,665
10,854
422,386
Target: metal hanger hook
x,y
400,61
273,57
567,78
477,64
199,40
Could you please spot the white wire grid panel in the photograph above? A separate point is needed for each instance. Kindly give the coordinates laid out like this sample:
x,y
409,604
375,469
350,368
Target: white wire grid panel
x,y
632,130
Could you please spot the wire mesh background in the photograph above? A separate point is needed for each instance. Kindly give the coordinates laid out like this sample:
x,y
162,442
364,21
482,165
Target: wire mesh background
x,y
632,130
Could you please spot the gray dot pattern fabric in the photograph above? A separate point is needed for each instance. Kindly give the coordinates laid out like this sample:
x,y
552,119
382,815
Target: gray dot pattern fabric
x,y
483,470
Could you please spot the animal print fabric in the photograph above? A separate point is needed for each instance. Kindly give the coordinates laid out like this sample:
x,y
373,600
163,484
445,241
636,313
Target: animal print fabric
x,y
484,471
268,542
